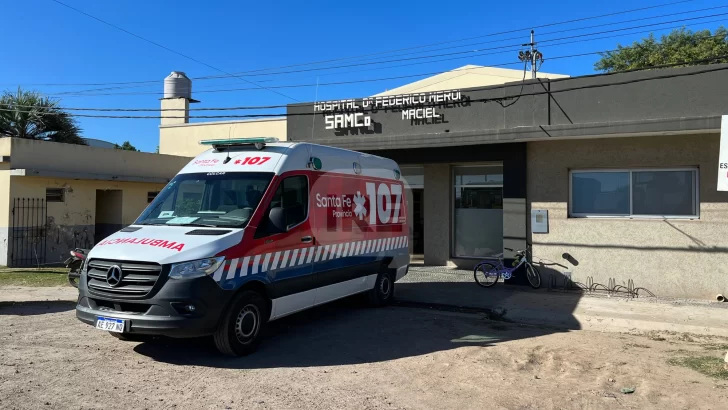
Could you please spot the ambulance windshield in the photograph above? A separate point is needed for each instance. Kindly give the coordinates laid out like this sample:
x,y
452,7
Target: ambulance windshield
x,y
215,199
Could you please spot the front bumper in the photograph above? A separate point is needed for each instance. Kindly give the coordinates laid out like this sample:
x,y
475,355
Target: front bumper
x,y
161,312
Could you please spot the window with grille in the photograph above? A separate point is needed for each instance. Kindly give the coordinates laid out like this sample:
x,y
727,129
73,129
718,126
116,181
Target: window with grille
x,y
55,195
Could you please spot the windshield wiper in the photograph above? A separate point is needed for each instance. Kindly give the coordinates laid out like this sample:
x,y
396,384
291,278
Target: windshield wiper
x,y
195,224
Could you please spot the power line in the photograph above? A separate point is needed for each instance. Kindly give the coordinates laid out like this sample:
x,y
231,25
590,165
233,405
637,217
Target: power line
x,y
361,55
572,29
480,36
395,77
167,48
520,94
480,50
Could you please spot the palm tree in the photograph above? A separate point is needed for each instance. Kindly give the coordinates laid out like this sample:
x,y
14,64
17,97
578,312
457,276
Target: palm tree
x,y
28,114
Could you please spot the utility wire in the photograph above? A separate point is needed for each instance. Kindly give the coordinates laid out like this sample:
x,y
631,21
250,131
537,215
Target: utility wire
x,y
480,50
477,52
484,100
385,78
169,49
361,55
480,36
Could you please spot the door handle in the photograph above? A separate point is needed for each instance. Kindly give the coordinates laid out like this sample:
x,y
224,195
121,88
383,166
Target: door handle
x,y
307,239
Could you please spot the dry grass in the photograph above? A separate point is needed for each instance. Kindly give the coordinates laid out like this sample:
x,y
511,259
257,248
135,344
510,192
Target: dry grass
x,y
708,365
33,277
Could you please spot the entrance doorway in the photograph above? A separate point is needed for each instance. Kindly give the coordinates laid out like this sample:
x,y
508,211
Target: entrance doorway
x,y
414,178
108,213
418,221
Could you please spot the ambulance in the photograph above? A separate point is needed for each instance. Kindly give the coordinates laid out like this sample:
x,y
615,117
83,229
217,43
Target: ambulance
x,y
250,231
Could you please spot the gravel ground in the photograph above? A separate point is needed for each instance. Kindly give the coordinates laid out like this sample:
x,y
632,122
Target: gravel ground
x,y
347,356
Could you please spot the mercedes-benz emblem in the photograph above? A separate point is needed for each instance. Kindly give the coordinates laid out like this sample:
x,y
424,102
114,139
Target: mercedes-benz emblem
x,y
113,276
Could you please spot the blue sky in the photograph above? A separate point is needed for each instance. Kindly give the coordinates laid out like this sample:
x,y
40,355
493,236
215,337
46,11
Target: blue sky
x,y
65,47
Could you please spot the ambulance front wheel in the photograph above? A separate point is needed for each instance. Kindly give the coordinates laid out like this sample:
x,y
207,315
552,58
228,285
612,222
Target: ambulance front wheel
x,y
383,291
239,332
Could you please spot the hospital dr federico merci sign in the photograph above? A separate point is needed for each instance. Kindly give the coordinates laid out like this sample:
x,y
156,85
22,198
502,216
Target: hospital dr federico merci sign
x,y
422,108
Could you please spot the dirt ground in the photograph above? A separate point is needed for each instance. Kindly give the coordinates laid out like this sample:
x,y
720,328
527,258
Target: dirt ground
x,y
348,356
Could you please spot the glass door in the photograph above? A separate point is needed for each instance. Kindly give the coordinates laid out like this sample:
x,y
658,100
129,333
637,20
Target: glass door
x,y
477,211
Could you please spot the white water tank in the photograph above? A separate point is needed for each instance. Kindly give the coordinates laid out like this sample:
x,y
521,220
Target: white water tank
x,y
177,85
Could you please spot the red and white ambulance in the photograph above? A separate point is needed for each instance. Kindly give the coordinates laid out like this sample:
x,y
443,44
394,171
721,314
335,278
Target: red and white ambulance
x,y
250,231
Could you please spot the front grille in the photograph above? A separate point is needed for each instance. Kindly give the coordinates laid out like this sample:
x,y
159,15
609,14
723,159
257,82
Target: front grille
x,y
122,307
137,278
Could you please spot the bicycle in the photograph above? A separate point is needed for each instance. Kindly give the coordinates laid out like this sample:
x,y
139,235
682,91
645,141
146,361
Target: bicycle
x,y
491,272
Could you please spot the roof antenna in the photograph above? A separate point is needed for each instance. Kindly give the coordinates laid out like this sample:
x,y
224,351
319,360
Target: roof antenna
x,y
227,159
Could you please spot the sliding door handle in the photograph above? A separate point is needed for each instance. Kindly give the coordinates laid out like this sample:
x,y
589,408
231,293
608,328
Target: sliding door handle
x,y
307,239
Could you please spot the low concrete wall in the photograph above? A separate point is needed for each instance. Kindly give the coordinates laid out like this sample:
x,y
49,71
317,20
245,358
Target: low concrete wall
x,y
677,258
82,159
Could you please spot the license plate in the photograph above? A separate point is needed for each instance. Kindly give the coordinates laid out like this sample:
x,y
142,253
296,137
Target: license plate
x,y
110,324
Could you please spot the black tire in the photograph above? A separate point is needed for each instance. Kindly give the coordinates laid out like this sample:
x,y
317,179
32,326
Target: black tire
x,y
240,331
482,276
533,276
73,278
383,291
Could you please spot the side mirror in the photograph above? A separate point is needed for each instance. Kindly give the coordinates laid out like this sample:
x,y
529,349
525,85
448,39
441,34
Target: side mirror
x,y
277,218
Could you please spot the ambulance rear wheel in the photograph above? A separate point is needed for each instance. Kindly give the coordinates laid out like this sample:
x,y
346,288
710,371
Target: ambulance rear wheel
x,y
383,291
239,332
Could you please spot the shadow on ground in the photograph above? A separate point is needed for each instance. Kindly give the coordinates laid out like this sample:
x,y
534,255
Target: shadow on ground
x,y
35,308
506,303
344,333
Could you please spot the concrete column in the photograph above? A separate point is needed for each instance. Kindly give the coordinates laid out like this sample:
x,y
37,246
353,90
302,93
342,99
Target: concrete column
x,y
514,224
410,216
437,206
181,107
515,209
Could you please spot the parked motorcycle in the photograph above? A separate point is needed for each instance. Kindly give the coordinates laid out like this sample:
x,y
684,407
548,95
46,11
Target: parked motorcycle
x,y
74,265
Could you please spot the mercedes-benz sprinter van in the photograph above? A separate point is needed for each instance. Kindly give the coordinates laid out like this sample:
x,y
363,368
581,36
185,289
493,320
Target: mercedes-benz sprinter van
x,y
248,232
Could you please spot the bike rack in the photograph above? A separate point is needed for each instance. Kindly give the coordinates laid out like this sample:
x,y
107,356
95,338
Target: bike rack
x,y
612,288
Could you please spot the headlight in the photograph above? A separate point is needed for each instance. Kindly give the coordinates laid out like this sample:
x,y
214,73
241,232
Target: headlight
x,y
195,269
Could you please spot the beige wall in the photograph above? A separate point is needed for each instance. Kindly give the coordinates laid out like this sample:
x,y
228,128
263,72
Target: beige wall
x,y
677,258
5,146
79,207
175,111
43,155
76,216
4,214
184,139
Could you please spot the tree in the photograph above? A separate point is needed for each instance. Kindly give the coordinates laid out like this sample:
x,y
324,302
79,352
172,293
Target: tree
x,y
30,115
126,146
679,46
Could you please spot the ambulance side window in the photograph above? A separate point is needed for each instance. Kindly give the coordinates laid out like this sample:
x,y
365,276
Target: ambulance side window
x,y
291,196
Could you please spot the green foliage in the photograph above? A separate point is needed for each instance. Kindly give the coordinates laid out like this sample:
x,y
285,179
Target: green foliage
x,y
126,146
679,46
28,114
